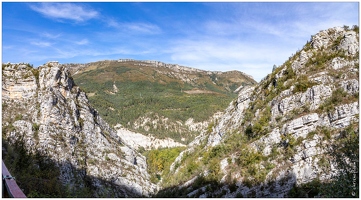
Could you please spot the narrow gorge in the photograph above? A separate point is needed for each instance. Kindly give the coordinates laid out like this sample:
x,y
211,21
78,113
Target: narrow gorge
x,y
293,134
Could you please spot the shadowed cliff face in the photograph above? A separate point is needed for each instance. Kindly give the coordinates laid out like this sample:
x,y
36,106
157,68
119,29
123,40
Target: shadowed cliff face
x,y
293,121
52,116
38,176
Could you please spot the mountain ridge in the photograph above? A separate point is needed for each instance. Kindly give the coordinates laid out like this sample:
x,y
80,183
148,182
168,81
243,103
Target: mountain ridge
x,y
150,96
76,67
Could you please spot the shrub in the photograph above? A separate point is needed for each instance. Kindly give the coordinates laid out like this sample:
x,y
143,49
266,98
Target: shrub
x,y
326,132
249,131
36,74
339,96
303,84
159,160
289,73
35,127
324,164
308,190
310,134
210,127
289,145
355,28
249,157
18,117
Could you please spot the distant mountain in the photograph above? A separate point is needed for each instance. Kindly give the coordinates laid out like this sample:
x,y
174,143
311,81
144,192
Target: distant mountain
x,y
151,97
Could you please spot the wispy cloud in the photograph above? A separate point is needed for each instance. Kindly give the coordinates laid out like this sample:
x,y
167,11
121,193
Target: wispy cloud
x,y
7,47
67,11
51,36
228,54
143,27
42,44
82,42
136,27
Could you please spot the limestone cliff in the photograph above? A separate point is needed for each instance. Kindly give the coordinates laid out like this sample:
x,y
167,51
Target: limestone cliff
x,y
283,132
45,109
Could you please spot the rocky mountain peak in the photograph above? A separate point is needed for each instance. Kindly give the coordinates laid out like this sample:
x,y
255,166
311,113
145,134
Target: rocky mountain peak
x,y
286,131
52,74
327,38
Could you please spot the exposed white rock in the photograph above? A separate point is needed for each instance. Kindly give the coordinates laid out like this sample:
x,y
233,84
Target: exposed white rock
x,y
224,164
350,43
232,116
18,82
72,133
300,127
136,140
343,115
266,142
351,86
313,97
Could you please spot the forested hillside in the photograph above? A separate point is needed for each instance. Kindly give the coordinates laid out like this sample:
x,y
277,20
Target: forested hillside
x,y
155,98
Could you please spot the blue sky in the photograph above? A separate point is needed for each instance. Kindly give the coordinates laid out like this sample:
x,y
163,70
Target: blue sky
x,y
249,37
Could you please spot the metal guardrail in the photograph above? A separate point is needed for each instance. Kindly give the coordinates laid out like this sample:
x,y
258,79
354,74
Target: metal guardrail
x,y
10,188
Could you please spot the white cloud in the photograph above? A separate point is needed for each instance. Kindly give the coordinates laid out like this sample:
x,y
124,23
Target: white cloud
x,y
67,11
51,36
136,27
7,47
143,27
217,54
82,42
42,44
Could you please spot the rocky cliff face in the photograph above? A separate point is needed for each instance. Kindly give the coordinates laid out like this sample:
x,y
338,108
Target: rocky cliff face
x,y
44,108
284,131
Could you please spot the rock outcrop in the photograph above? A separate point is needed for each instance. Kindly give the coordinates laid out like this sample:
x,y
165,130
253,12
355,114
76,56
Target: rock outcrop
x,y
292,119
53,117
139,141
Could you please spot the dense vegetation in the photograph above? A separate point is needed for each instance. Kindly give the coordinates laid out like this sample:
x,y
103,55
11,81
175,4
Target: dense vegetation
x,y
245,160
159,161
126,93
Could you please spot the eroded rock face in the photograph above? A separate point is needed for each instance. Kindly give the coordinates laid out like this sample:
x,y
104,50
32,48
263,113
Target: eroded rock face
x,y
70,132
350,43
233,115
303,119
18,82
137,140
